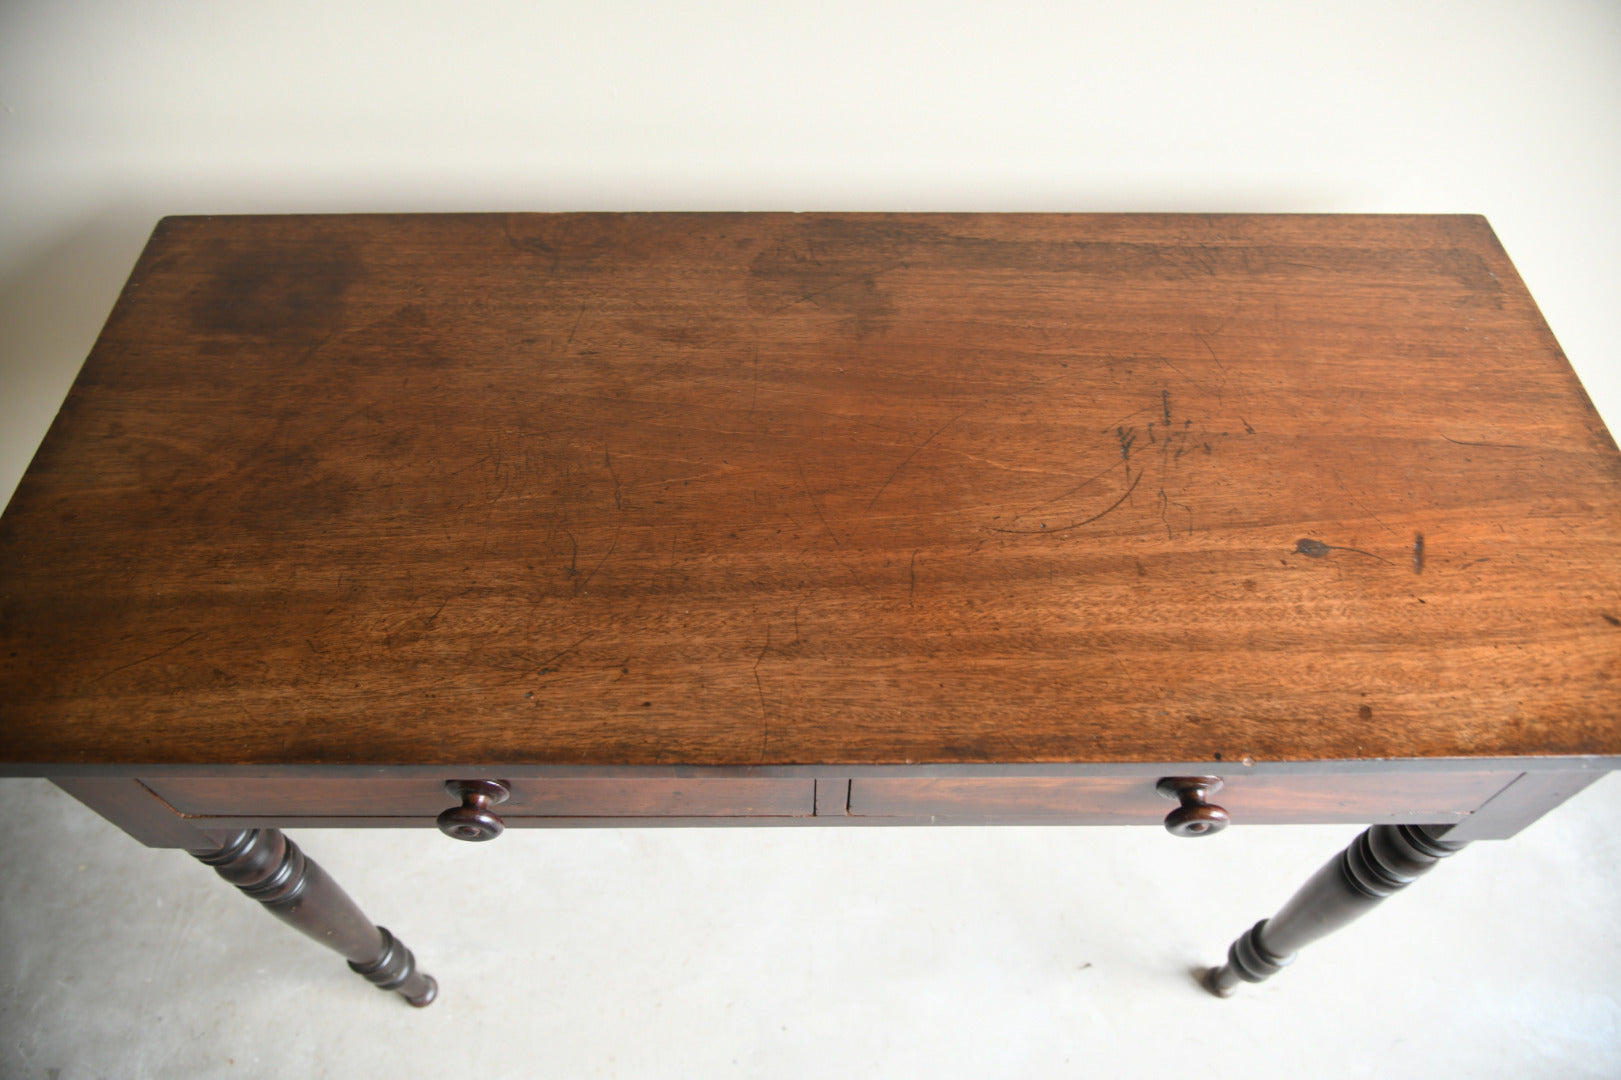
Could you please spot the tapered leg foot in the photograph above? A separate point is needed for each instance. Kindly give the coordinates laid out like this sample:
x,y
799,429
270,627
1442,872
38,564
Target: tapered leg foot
x,y
271,869
1382,861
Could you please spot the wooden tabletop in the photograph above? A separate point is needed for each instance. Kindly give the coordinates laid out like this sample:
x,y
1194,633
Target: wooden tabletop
x,y
796,489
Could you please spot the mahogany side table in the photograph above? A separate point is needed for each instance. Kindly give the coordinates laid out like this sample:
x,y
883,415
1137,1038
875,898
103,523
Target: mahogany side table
x,y
494,521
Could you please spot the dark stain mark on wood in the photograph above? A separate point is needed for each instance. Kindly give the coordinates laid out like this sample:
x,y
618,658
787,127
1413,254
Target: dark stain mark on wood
x,y
1165,503
820,265
1165,400
1365,713
1418,553
288,294
1611,619
1316,549
1247,429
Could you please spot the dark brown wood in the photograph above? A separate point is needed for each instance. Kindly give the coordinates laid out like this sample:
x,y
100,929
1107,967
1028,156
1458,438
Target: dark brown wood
x,y
1378,863
424,798
769,505
597,490
473,820
1197,815
1530,796
832,798
271,869
133,807
1423,797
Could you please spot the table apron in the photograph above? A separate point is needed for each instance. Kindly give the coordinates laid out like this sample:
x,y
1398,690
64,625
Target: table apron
x,y
172,811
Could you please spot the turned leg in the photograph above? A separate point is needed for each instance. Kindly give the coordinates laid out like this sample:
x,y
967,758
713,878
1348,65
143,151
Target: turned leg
x,y
1383,860
270,868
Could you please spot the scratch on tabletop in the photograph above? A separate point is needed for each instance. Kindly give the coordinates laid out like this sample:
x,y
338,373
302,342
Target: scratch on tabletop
x,y
154,656
1498,445
759,688
1088,482
755,395
1360,506
608,461
815,505
1203,341
1128,416
618,527
1077,524
915,452
545,666
454,596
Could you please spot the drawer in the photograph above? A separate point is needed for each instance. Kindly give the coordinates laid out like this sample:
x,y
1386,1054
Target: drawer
x,y
1415,798
573,797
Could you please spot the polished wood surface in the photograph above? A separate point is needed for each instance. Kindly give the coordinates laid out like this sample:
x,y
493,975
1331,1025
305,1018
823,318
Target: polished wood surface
x,y
1263,799
590,490
566,797
273,870
1377,865
1434,797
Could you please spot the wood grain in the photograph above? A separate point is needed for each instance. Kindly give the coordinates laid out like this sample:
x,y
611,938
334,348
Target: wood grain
x,y
785,489
1407,797
132,806
567,797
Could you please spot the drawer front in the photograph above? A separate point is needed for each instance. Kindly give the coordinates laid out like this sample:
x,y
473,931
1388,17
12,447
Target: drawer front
x,y
1411,798
425,798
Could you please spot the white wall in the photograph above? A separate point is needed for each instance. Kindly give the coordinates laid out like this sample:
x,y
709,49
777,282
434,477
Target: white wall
x,y
112,114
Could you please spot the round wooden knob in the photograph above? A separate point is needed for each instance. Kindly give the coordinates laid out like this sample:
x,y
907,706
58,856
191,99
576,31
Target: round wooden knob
x,y
473,819
1195,817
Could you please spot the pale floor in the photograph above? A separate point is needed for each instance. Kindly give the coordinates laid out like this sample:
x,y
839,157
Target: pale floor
x,y
804,952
